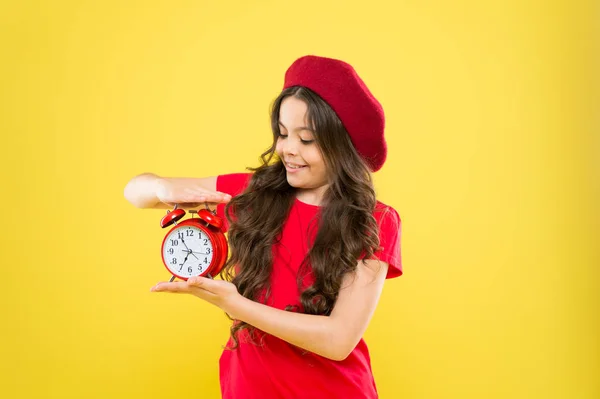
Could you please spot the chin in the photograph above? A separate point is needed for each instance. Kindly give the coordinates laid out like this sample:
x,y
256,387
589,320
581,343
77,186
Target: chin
x,y
294,183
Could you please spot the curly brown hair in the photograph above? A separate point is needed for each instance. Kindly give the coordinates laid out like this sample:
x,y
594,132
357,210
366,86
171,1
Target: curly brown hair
x,y
347,229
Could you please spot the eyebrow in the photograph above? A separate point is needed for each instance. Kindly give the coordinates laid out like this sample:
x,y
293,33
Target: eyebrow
x,y
300,128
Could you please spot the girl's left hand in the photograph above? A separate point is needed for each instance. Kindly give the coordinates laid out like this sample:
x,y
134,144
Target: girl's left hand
x,y
218,292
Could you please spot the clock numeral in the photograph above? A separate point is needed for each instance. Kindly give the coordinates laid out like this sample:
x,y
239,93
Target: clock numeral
x,y
174,261
175,242
180,234
189,233
208,251
190,269
205,260
170,251
206,241
200,268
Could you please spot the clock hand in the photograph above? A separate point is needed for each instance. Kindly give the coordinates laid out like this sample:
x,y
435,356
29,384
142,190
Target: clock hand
x,y
189,251
184,262
199,253
186,247
183,241
193,252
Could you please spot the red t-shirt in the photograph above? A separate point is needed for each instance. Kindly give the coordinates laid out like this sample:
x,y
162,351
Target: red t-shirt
x,y
275,368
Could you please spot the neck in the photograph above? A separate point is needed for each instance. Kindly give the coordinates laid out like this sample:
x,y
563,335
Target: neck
x,y
311,197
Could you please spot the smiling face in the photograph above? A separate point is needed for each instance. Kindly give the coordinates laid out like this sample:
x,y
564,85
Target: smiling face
x,y
298,149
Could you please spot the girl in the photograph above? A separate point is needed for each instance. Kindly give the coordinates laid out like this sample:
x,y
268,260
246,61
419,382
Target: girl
x,y
310,244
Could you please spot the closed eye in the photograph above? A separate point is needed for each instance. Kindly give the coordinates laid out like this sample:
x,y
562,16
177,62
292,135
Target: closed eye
x,y
305,142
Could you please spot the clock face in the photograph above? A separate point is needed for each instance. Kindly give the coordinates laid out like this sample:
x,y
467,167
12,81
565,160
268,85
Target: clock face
x,y
187,251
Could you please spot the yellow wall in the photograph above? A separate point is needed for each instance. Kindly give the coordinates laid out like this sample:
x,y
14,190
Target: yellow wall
x,y
492,167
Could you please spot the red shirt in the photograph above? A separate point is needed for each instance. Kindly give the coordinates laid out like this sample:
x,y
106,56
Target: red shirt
x,y
275,368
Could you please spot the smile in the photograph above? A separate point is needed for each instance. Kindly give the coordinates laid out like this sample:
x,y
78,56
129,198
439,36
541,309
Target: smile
x,y
291,167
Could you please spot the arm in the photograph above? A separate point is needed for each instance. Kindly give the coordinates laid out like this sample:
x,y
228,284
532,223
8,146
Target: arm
x,y
152,191
333,336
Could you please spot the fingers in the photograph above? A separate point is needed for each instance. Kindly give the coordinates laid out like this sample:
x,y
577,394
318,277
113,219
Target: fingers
x,y
195,287
182,191
215,198
176,287
201,282
199,195
195,281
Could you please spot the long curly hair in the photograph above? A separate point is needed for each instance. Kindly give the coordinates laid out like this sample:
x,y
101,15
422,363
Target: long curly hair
x,y
346,231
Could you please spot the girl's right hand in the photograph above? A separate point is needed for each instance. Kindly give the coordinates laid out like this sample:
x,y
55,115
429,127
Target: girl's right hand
x,y
187,194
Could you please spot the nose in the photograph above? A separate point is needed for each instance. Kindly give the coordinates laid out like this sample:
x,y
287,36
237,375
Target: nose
x,y
290,146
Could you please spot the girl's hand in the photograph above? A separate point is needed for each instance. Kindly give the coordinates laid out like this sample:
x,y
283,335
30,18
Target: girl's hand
x,y
220,293
187,191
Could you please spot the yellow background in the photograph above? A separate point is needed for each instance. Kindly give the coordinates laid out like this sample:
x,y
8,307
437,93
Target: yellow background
x,y
493,167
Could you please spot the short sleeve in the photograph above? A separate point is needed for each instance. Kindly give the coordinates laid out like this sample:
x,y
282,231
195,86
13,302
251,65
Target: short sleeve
x,y
233,184
390,231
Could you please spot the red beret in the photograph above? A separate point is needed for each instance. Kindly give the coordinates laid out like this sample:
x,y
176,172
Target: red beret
x,y
339,85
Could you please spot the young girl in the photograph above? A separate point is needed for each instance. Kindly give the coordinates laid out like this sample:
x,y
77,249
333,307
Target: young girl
x,y
310,244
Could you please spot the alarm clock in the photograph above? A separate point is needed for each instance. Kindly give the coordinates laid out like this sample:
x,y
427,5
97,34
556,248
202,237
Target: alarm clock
x,y
195,246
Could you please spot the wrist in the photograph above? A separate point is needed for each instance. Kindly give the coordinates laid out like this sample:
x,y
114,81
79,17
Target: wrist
x,y
234,306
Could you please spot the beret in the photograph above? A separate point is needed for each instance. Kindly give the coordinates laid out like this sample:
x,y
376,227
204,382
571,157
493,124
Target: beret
x,y
337,83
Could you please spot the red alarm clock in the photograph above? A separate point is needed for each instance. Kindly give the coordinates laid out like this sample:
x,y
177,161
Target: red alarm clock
x,y
193,247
